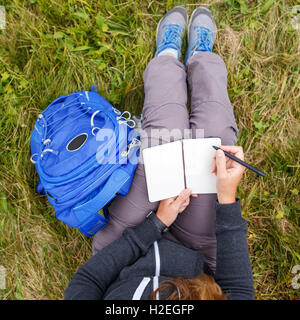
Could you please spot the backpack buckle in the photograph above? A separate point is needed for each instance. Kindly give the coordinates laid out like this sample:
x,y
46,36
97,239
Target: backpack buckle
x,y
135,142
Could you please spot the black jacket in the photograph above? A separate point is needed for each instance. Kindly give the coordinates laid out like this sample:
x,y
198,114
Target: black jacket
x,y
132,266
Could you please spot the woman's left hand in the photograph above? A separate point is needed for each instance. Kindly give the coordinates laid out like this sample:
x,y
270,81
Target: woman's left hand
x,y
169,209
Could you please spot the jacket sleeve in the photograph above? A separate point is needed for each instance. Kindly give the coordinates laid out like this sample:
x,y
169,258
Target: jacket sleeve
x,y
233,271
92,279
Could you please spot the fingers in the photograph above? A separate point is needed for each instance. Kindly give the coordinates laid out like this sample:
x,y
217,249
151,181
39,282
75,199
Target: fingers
x,y
184,195
183,199
221,163
232,149
235,150
239,153
214,166
167,201
184,205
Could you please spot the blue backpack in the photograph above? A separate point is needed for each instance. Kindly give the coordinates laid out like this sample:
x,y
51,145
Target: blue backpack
x,y
85,152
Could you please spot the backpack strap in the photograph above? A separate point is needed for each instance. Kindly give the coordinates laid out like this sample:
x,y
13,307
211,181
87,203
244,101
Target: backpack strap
x,y
94,88
117,179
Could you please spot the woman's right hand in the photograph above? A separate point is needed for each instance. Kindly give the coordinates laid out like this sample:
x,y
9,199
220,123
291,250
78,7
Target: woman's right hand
x,y
229,173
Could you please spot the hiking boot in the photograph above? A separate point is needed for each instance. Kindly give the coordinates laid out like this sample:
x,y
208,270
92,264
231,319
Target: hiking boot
x,y
170,31
202,32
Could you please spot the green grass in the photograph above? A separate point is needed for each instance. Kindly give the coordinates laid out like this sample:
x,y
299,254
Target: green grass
x,y
51,48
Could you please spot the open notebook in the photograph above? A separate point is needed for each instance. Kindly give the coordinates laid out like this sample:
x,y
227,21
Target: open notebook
x,y
173,166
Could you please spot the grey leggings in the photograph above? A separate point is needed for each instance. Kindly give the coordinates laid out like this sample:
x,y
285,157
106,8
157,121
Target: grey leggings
x,y
165,107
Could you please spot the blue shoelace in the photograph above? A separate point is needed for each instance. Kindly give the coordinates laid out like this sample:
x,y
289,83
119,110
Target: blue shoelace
x,y
171,38
204,37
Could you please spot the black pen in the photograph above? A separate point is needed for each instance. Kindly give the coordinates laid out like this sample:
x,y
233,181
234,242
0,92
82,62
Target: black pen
x,y
241,162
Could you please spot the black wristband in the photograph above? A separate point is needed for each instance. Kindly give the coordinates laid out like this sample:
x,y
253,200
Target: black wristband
x,y
162,228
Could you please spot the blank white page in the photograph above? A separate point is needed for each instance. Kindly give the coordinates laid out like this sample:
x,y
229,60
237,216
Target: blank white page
x,y
164,170
198,157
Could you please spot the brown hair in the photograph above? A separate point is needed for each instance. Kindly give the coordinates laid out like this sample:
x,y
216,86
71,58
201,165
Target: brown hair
x,y
203,287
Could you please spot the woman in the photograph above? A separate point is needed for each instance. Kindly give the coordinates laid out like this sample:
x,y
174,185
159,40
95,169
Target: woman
x,y
184,247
